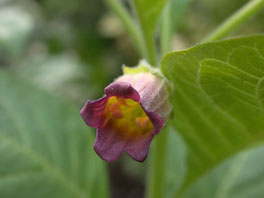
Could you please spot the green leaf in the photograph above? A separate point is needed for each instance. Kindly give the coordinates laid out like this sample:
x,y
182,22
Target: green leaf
x,y
239,177
218,100
175,163
148,12
45,148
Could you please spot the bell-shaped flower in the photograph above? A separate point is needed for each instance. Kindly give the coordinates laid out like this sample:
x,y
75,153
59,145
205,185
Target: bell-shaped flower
x,y
134,109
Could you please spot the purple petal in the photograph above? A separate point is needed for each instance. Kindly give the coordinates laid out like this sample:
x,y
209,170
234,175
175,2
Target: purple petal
x,y
109,144
156,120
93,112
138,149
122,90
110,141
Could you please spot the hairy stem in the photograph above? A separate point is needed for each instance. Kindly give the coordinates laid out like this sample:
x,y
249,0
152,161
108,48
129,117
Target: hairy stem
x,y
251,8
156,175
129,24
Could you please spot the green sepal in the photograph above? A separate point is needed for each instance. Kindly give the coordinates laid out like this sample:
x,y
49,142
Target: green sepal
x,y
142,67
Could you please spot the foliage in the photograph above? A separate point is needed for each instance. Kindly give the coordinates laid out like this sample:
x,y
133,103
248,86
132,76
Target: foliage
x,y
217,88
211,147
238,177
44,146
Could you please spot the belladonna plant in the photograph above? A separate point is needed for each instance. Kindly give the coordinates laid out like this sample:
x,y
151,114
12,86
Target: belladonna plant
x,y
133,110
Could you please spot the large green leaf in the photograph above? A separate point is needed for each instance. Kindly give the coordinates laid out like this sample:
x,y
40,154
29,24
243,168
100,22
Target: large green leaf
x,y
148,12
45,148
218,99
239,177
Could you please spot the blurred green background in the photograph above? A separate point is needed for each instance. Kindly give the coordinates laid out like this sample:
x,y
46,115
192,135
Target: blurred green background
x,y
75,48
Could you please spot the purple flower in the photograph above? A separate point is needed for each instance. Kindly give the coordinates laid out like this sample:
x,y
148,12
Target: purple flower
x,y
133,110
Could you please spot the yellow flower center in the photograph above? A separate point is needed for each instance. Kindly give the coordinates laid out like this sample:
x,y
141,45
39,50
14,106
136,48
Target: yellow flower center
x,y
127,116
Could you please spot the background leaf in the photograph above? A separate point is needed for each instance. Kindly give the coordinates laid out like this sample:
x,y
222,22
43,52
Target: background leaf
x,y
45,148
238,177
175,169
217,103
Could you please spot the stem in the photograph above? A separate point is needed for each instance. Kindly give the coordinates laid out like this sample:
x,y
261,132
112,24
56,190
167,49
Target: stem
x,y
165,30
151,48
156,175
251,8
147,37
129,24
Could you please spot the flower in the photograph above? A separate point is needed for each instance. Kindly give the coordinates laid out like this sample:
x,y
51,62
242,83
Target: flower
x,y
134,109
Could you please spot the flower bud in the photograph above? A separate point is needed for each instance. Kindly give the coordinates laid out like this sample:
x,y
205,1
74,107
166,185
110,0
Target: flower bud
x,y
134,109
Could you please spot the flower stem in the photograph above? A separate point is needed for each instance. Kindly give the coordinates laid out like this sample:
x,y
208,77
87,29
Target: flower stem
x,y
147,35
156,174
165,30
129,24
151,48
251,8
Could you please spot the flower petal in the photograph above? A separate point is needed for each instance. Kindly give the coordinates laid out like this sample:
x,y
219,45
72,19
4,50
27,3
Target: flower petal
x,y
138,149
122,90
109,144
93,112
120,125
156,120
